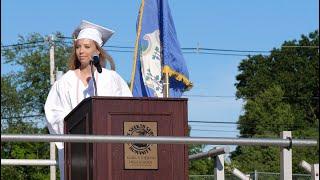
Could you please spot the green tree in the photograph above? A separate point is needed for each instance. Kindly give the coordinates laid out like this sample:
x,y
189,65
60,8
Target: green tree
x,y
266,115
23,94
31,56
10,105
11,109
199,166
281,92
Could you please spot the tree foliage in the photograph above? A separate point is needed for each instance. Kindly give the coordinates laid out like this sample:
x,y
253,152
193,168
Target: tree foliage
x,y
13,150
23,93
32,58
282,93
11,123
10,105
199,166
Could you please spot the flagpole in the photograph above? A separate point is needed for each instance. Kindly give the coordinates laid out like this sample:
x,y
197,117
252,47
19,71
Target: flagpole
x,y
136,46
166,85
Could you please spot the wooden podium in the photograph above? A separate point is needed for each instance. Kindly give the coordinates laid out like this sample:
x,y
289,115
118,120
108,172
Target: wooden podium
x,y
127,116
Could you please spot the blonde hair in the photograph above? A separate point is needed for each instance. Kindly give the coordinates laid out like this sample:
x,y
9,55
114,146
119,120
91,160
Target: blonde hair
x,y
74,63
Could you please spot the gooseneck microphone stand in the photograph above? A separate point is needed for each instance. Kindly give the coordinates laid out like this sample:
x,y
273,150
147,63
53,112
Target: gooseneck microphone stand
x,y
94,80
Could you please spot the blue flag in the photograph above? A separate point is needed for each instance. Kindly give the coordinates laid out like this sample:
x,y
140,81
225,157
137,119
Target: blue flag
x,y
157,52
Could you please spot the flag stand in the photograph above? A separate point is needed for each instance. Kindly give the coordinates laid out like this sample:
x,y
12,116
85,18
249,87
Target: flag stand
x,y
166,85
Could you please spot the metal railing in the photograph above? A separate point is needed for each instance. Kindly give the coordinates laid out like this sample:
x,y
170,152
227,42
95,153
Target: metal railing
x,y
36,162
285,143
259,176
313,169
211,153
28,162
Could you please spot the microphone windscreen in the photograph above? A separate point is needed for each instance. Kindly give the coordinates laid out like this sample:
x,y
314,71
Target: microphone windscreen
x,y
96,62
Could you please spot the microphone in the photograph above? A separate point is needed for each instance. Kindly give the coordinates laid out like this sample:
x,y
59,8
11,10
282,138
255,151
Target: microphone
x,y
96,62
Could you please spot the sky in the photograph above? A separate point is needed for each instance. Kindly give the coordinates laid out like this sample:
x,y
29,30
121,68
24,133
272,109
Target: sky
x,y
230,24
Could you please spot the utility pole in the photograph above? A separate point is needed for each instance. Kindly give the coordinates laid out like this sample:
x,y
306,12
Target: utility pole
x,y
52,144
51,42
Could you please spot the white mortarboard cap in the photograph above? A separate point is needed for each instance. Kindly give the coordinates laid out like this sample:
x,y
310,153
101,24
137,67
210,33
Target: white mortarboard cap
x,y
92,31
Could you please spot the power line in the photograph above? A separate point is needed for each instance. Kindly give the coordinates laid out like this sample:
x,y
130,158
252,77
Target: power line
x,y
65,37
194,49
131,51
131,47
27,116
197,49
223,54
214,130
213,122
316,47
227,50
214,126
121,47
21,44
210,51
201,122
206,122
218,96
112,50
246,123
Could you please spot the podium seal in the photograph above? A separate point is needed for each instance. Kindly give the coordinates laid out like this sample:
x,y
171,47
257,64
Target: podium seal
x,y
138,155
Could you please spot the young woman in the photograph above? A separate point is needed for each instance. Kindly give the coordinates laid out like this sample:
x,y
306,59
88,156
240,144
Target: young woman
x,y
77,84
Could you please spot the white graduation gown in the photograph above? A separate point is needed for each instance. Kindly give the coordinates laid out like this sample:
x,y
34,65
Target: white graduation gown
x,y
69,91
